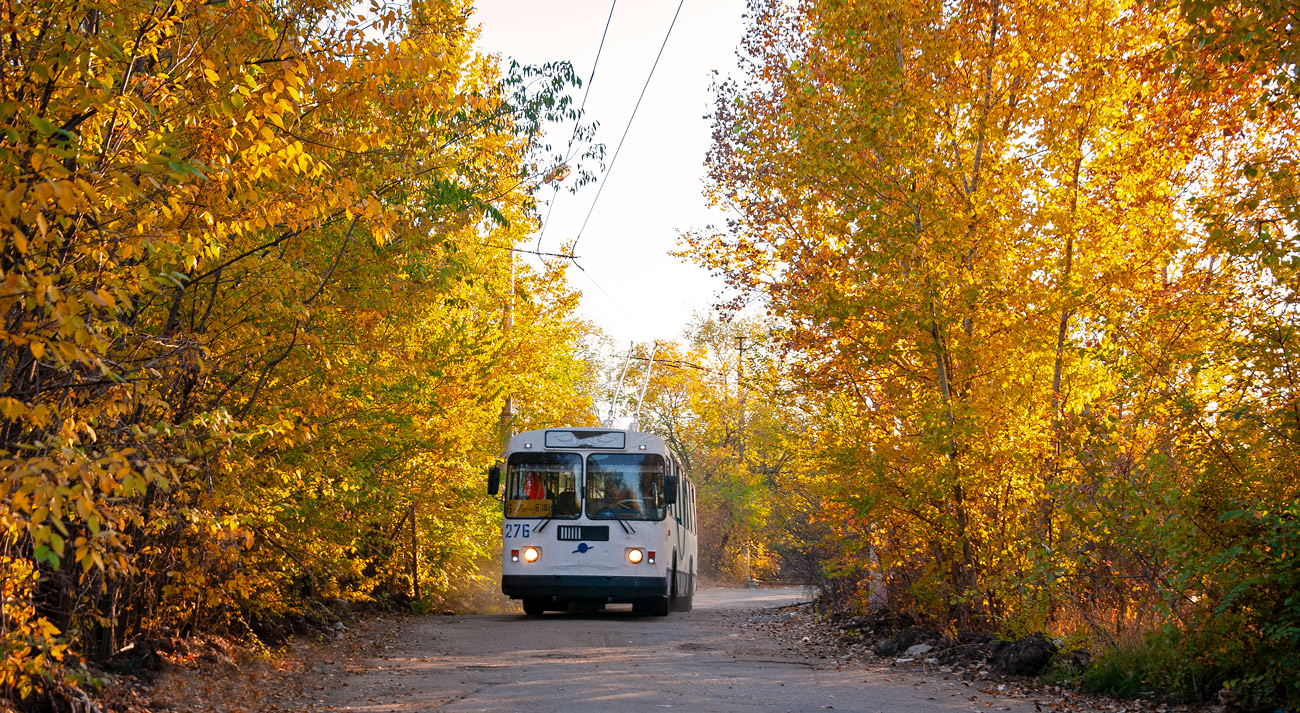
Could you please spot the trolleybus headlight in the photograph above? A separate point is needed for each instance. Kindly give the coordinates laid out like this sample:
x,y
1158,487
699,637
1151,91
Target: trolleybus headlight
x,y
635,555
514,555
532,554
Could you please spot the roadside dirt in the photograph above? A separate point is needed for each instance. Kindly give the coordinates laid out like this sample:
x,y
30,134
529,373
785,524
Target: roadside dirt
x,y
741,650
803,634
292,678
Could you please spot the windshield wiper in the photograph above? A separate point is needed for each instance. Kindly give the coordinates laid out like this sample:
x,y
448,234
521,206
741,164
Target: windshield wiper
x,y
546,521
626,526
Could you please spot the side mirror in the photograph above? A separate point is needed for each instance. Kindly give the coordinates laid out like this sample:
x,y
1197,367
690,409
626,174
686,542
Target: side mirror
x,y
494,480
670,489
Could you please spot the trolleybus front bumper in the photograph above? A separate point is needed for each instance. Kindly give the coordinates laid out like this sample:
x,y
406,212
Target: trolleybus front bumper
x,y
610,589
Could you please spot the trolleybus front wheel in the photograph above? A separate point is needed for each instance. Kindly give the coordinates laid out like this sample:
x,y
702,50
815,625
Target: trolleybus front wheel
x,y
654,606
534,606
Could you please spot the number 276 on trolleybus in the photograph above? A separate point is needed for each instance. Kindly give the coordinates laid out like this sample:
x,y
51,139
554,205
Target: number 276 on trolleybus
x,y
595,516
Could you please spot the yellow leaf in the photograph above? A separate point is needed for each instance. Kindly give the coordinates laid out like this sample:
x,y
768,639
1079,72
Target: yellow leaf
x,y
12,408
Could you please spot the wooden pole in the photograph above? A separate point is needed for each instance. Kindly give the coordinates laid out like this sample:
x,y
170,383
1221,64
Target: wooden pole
x,y
415,555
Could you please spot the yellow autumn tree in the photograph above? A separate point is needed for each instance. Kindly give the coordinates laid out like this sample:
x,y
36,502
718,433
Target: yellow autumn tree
x,y
1033,267
254,263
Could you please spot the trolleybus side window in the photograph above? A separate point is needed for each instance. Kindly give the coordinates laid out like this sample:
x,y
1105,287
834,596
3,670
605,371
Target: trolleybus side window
x,y
625,486
543,485
685,498
690,505
684,509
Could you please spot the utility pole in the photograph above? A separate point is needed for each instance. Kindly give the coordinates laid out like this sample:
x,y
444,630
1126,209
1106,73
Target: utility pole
x,y
557,174
740,449
415,555
508,323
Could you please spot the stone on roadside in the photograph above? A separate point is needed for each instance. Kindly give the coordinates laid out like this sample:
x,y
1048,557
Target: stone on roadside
x,y
886,647
1024,657
918,649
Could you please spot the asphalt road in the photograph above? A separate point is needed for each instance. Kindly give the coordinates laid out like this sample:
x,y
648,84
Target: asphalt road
x,y
704,661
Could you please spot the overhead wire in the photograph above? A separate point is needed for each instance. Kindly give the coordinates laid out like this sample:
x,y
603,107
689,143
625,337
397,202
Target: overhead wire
x,y
676,363
610,168
608,296
526,251
578,122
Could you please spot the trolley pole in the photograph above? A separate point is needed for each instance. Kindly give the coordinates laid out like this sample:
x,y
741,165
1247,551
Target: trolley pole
x,y
636,419
613,399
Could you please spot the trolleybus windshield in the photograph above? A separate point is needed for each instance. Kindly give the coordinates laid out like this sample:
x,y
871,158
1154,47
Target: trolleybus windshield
x,y
543,485
625,486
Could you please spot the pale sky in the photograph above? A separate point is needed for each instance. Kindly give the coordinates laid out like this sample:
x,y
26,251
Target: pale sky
x,y
655,186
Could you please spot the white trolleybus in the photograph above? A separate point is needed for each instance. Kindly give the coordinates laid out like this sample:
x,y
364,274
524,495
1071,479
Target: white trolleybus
x,y
595,516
